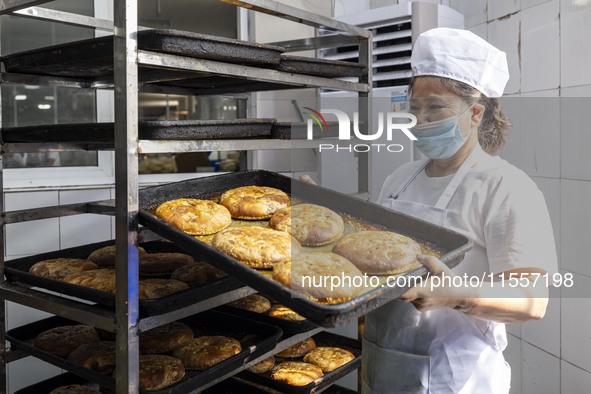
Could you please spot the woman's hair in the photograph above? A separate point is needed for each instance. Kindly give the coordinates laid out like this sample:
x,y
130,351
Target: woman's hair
x,y
494,125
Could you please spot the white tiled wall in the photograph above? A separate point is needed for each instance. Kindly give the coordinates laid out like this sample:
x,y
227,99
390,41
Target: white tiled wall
x,y
547,44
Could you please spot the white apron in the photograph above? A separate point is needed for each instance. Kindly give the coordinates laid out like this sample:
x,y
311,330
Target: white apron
x,y
442,351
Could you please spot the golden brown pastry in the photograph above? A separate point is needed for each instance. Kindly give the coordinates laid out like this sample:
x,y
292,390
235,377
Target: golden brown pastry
x,y
194,216
264,366
282,273
256,247
61,341
204,352
98,356
163,264
310,224
379,252
283,312
165,338
254,303
197,274
157,288
329,358
76,389
296,373
299,349
254,202
311,273
158,371
105,256
61,267
102,279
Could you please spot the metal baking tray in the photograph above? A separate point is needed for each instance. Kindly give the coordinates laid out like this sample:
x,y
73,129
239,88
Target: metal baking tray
x,y
452,245
321,339
94,57
288,326
235,385
47,385
299,131
256,339
320,67
17,271
104,133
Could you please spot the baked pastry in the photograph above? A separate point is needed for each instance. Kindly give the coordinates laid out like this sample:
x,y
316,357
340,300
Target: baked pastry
x,y
197,274
379,252
98,356
193,216
102,279
264,366
256,247
310,224
157,288
282,273
105,256
296,373
329,358
163,264
76,389
254,202
61,341
296,247
299,349
283,312
254,303
158,371
165,338
61,267
206,351
307,274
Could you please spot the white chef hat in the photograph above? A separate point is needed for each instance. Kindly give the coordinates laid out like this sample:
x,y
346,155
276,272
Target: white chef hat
x,y
463,56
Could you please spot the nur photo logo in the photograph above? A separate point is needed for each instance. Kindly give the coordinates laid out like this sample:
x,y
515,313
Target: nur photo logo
x,y
389,122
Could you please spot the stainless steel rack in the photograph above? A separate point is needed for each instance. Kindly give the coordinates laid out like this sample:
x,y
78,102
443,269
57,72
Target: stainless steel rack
x,y
125,320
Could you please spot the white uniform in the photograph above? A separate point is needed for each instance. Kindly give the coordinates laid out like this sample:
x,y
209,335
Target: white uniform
x,y
445,351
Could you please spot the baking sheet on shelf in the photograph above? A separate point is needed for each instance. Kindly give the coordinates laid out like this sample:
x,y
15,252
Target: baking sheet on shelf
x,y
64,379
323,339
289,326
320,67
256,339
94,57
104,133
17,271
453,245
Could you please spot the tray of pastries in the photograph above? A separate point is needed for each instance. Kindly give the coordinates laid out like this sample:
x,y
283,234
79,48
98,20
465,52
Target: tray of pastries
x,y
236,385
169,278
174,358
65,383
327,256
264,309
308,366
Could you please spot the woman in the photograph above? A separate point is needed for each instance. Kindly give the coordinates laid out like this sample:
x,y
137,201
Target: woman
x,y
450,339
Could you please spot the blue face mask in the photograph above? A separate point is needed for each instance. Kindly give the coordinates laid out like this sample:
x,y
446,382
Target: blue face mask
x,y
440,139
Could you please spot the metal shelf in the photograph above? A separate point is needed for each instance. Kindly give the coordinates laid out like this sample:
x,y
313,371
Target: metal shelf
x,y
127,80
102,317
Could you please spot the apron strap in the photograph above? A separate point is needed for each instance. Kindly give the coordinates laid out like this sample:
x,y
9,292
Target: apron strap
x,y
397,192
453,185
458,178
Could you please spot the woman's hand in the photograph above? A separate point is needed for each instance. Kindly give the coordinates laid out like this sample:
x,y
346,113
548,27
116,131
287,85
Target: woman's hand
x,y
307,179
437,290
487,301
